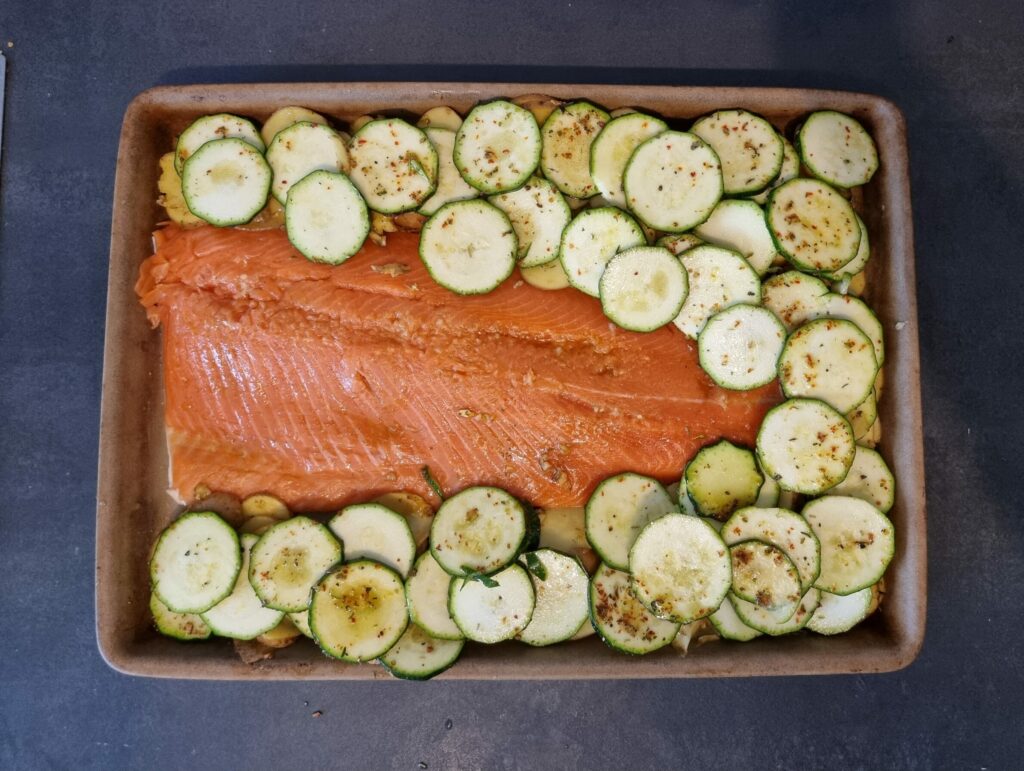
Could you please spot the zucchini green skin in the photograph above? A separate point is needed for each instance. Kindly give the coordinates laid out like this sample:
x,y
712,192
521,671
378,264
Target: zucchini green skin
x,y
573,177
614,550
528,137
744,479
636,271
451,278
781,235
156,567
265,589
391,663
187,627
722,140
231,127
193,178
606,609
494,561
854,129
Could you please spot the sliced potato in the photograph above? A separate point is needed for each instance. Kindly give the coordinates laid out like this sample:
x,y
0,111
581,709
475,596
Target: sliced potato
x,y
265,505
281,636
171,198
417,512
540,105
270,217
442,117
226,505
258,525
288,116
563,530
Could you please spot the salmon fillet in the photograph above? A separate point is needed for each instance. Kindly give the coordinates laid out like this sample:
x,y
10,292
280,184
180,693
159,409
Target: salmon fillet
x,y
327,385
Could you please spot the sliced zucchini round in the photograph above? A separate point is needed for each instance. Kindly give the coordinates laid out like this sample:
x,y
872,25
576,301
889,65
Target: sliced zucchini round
x,y
469,247
764,575
837,149
180,626
549,276
539,214
749,147
831,360
673,181
618,509
241,615
680,568
857,542
450,184
226,182
677,243
769,621
497,147
863,416
837,613
790,168
619,618
643,288
739,347
859,262
560,584
838,306
478,530
794,297
357,611
289,559
718,279
721,478
739,225
814,227
284,117
869,479
326,219
441,117
419,656
418,514
195,562
426,593
373,531
768,495
301,621
210,127
495,610
591,240
568,134
393,165
783,529
805,445
613,147
303,148
730,626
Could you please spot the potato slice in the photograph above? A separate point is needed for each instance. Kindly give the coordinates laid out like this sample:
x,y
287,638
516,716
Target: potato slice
x,y
442,117
540,105
265,505
417,512
171,198
281,636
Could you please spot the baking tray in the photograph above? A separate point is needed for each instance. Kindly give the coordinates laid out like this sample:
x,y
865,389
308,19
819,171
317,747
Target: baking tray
x,y
132,501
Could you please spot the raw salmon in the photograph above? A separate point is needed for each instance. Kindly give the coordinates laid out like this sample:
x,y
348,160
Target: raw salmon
x,y
325,385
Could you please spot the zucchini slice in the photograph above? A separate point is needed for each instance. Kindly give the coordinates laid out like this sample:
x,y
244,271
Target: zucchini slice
x,y
805,445
539,214
869,479
643,288
673,181
419,656
721,478
749,147
568,134
764,575
195,562
417,513
829,359
739,347
241,615
783,529
450,184
859,262
863,416
357,611
560,584
838,306
301,621
837,149
857,542
288,560
493,611
618,509
790,169
303,148
814,227
549,276
619,618
180,626
837,613
284,117
479,530
613,147
794,297
497,147
469,247
393,165
326,219
426,594
677,243
211,127
769,494
739,225
591,240
373,531
226,182
680,568
730,626
718,278
769,622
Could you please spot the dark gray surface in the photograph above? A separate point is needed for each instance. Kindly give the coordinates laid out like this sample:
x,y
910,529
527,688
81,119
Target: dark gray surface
x,y
73,68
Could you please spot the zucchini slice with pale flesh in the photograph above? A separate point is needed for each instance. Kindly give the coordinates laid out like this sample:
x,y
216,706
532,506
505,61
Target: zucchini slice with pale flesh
x,y
749,147
591,240
478,530
673,181
739,347
450,184
838,306
226,182
373,531
769,621
718,278
643,288
814,227
289,559
677,243
419,656
568,134
837,149
301,621
195,562
837,613
769,494
739,225
549,276
783,529
301,149
869,479
393,165
241,615
857,542
794,297
497,147
618,509
764,575
418,514
863,416
680,568
790,168
284,117
859,262
831,360
613,147
357,611
180,626
326,219
211,127
805,445
721,478
730,626
539,214
619,618
493,608
469,247
560,584
426,594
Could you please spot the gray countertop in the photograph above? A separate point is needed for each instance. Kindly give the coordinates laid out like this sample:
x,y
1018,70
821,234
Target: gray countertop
x,y
956,71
